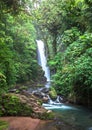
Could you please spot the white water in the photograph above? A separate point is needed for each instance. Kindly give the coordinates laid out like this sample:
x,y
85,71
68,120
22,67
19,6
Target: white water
x,y
71,114
42,59
56,104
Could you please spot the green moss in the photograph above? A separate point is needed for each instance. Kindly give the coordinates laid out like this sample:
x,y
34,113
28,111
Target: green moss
x,y
47,116
40,102
3,125
23,88
13,107
53,93
39,85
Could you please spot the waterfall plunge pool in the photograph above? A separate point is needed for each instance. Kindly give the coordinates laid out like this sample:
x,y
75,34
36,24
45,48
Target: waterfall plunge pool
x,y
79,118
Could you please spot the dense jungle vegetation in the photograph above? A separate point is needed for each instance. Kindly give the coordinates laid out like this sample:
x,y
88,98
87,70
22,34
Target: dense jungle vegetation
x,y
66,28
18,62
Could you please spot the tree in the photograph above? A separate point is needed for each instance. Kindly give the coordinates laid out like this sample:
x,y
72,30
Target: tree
x,y
17,47
56,16
15,6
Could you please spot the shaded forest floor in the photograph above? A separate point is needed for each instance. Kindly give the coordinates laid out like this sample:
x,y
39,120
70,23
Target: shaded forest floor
x,y
21,123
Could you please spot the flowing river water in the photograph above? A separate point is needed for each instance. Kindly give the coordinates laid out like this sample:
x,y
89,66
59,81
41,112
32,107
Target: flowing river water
x,y
67,116
71,117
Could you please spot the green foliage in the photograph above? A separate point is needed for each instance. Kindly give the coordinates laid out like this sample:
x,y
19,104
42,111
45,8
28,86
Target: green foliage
x,y
66,27
14,7
23,88
3,85
11,106
57,16
55,62
83,75
70,36
74,76
17,49
6,55
47,116
79,47
25,49
3,125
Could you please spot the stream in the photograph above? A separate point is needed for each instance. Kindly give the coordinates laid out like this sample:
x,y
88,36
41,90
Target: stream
x,y
67,116
74,117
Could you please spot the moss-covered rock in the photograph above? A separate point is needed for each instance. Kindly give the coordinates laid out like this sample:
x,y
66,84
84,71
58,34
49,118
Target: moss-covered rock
x,y
22,105
12,106
52,93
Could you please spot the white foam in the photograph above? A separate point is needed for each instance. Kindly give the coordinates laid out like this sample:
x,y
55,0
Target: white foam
x,y
58,106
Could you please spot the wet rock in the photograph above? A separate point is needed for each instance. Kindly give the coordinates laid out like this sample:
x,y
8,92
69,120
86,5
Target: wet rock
x,y
62,99
45,90
49,111
12,90
45,99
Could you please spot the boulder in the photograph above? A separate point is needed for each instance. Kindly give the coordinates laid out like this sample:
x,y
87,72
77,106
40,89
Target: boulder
x,y
45,99
45,90
52,93
12,90
38,94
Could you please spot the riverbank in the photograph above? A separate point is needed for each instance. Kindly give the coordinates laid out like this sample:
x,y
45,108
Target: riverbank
x,y
21,123
57,124
27,123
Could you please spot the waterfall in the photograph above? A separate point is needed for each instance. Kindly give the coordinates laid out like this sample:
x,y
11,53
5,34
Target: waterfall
x,y
42,61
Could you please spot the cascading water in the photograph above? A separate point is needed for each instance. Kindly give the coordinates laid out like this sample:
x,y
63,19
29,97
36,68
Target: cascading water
x,y
77,116
42,59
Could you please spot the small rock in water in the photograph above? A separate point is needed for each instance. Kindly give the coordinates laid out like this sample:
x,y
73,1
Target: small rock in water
x,y
45,90
45,99
49,111
90,128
